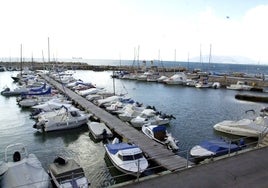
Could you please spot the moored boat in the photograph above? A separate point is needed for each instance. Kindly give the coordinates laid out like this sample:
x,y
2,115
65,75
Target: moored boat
x,y
72,118
240,85
126,158
67,173
99,130
24,171
177,79
213,148
160,135
244,127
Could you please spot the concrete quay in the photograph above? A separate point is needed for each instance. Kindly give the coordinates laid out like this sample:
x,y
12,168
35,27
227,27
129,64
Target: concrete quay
x,y
249,169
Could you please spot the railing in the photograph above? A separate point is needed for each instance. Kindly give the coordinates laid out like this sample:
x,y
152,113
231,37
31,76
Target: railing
x,y
104,178
246,147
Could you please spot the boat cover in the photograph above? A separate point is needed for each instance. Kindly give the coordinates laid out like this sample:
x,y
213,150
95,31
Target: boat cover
x,y
25,173
42,92
219,146
71,169
159,128
36,89
114,148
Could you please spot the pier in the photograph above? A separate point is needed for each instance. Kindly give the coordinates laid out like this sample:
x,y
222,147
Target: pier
x,y
153,150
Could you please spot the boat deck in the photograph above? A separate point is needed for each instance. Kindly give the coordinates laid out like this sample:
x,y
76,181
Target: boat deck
x,y
155,151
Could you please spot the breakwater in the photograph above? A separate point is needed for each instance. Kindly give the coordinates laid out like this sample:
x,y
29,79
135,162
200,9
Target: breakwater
x,y
223,79
81,66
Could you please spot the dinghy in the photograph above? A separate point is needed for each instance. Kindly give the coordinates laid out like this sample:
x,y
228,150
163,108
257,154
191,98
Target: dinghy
x,y
99,130
67,173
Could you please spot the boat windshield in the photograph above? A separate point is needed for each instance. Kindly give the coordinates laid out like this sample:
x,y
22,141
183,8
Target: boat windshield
x,y
131,157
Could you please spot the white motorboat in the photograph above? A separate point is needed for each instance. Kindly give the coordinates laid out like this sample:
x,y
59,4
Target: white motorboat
x,y
126,158
142,77
94,97
70,119
34,100
25,170
67,173
203,84
216,85
89,91
81,87
78,82
177,79
26,91
101,94
53,104
161,79
159,133
213,148
129,112
240,85
150,116
152,78
115,107
139,121
99,130
49,114
16,92
190,82
244,127
108,100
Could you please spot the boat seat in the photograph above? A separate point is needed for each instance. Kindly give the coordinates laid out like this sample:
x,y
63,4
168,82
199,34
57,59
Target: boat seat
x,y
60,160
16,156
74,113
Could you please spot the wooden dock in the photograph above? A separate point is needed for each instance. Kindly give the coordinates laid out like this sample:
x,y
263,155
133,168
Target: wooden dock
x,y
155,151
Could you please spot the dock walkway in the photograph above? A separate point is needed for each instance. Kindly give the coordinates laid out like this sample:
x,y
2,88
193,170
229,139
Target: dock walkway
x,y
155,151
244,170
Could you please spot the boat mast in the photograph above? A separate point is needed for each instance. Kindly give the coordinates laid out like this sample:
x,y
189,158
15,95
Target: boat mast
x,y
48,50
201,59
209,55
134,59
43,59
21,60
138,54
188,60
175,54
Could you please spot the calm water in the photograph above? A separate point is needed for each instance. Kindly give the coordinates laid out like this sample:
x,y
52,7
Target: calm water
x,y
196,111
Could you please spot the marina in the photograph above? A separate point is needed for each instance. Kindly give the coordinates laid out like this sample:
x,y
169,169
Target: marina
x,y
187,135
134,94
153,150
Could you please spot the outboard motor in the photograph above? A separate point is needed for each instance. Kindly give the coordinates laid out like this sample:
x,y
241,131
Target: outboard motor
x,y
16,156
171,143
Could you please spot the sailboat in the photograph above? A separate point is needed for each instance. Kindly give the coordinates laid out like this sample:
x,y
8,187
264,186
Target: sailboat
x,y
17,78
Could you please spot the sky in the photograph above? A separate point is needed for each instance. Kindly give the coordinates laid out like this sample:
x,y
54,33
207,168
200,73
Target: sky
x,y
140,29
